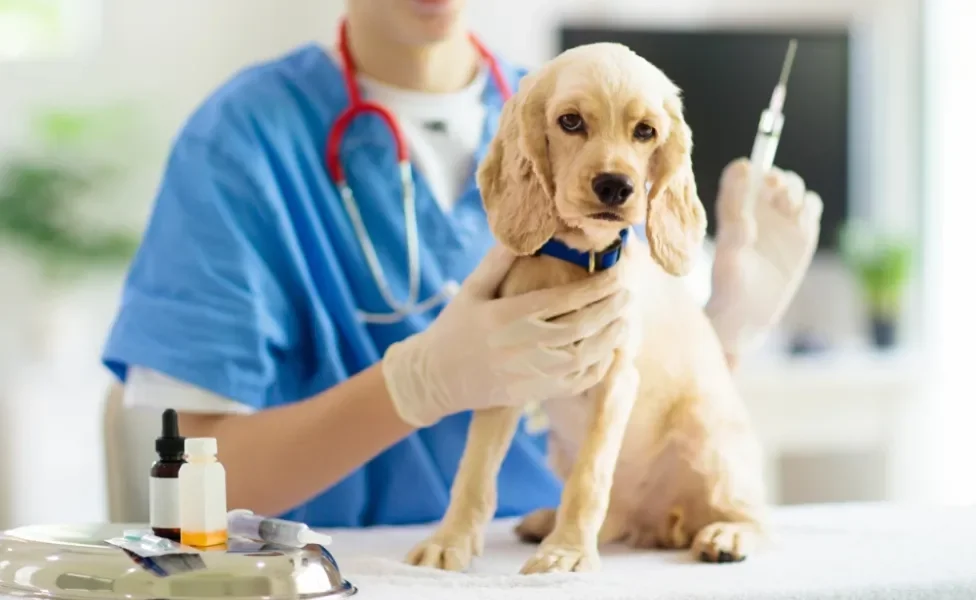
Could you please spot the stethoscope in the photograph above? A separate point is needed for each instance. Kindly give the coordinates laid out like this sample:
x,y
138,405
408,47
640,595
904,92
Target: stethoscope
x,y
358,106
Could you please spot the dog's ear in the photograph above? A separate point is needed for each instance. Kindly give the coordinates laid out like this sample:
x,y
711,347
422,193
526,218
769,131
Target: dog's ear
x,y
515,177
676,219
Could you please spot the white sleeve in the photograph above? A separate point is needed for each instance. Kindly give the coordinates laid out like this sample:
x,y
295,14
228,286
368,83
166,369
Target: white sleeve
x,y
145,388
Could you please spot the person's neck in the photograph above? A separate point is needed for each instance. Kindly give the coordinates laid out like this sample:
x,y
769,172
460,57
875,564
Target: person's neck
x,y
446,66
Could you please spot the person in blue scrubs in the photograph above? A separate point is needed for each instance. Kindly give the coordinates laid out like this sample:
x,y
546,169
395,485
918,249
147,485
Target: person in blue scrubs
x,y
242,308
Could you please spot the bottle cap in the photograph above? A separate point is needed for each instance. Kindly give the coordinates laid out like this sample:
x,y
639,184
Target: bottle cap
x,y
170,444
204,446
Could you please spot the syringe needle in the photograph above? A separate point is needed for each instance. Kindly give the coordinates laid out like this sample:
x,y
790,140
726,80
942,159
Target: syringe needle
x,y
767,139
784,74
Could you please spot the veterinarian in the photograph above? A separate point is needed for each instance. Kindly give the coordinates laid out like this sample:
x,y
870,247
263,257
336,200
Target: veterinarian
x,y
327,366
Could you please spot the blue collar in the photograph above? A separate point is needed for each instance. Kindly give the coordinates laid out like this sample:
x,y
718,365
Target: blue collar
x,y
591,261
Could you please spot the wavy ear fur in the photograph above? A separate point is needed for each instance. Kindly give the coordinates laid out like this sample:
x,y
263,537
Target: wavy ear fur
x,y
676,219
515,177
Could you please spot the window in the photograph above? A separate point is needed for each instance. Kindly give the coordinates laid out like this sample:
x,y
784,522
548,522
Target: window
x,y
44,29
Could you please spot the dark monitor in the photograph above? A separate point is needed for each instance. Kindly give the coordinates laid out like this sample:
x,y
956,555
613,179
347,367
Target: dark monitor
x,y
727,77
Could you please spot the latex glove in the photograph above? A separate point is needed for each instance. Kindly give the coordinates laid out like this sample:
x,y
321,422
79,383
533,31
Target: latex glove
x,y
761,255
483,352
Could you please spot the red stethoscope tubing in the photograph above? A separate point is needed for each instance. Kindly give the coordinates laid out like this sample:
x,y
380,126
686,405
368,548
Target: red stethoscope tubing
x,y
358,106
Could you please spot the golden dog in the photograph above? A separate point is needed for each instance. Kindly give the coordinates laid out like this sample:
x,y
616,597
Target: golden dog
x,y
661,453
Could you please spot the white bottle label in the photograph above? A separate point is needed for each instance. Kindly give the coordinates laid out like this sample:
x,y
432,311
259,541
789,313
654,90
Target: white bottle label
x,y
164,503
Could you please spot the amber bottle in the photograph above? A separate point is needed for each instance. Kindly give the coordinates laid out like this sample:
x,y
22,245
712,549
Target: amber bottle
x,y
164,482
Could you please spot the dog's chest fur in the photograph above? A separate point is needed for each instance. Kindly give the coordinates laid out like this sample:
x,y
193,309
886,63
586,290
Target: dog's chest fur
x,y
568,417
666,311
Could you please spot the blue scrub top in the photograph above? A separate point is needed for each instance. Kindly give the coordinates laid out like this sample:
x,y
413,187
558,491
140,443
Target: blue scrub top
x,y
249,276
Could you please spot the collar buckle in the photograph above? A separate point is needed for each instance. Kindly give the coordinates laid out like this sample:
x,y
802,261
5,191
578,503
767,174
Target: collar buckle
x,y
614,249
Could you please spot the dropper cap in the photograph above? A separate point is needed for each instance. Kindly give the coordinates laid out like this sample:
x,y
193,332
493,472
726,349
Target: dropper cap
x,y
170,443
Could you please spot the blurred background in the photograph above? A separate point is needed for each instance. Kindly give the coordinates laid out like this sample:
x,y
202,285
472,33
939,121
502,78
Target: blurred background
x,y
864,393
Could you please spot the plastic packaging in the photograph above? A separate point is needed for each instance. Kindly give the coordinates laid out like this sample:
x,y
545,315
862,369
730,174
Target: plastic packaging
x,y
203,495
164,484
159,555
244,523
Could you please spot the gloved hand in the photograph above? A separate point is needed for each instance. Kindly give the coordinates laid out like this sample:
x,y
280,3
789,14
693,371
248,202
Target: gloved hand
x,y
761,252
484,352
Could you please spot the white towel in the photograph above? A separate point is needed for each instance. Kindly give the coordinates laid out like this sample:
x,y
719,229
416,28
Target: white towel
x,y
836,552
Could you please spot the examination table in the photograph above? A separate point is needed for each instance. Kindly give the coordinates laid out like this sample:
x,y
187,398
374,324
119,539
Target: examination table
x,y
838,552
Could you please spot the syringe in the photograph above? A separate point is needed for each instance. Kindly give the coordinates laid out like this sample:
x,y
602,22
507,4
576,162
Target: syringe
x,y
244,523
767,138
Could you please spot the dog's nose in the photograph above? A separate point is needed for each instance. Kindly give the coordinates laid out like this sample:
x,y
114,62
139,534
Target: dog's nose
x,y
613,189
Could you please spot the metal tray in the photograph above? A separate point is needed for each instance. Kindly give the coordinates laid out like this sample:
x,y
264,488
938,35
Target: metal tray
x,y
74,563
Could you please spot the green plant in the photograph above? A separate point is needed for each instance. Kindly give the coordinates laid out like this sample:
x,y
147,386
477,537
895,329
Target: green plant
x,y
48,191
882,264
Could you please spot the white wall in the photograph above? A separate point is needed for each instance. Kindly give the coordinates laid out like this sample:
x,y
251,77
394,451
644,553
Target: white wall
x,y
951,211
171,53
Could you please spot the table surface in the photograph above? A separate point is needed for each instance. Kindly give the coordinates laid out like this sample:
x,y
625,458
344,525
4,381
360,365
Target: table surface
x,y
840,552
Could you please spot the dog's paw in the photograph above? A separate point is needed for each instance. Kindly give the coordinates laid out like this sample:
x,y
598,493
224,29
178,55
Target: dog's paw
x,y
447,550
536,526
725,542
562,559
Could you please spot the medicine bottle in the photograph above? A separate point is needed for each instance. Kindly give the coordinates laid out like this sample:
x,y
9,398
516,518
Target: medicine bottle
x,y
164,484
203,495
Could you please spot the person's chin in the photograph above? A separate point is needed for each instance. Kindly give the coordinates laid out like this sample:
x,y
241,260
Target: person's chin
x,y
435,8
435,19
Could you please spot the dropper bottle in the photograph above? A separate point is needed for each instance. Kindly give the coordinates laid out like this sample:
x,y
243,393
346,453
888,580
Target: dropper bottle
x,y
164,483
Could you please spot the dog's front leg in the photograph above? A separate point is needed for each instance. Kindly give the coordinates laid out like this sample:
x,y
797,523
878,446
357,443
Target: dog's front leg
x,y
572,545
474,495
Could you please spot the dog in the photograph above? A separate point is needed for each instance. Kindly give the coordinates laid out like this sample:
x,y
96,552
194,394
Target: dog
x,y
661,453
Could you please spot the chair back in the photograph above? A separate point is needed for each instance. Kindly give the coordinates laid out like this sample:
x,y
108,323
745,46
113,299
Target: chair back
x,y
128,437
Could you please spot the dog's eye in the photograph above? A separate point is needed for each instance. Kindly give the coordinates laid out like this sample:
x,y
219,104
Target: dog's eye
x,y
644,132
571,123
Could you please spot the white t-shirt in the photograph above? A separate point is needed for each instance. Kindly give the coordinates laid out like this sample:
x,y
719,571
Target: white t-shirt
x,y
442,133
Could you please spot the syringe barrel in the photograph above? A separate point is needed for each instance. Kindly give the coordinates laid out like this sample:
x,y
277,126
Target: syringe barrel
x,y
255,527
277,531
771,123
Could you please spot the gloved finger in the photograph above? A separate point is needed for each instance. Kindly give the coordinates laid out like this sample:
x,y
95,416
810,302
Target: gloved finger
x,y
812,210
583,324
735,179
788,198
560,300
539,361
568,360
484,281
567,329
773,180
542,386
590,377
592,350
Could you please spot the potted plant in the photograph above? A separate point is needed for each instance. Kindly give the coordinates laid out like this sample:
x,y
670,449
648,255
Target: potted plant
x,y
48,189
63,233
881,262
